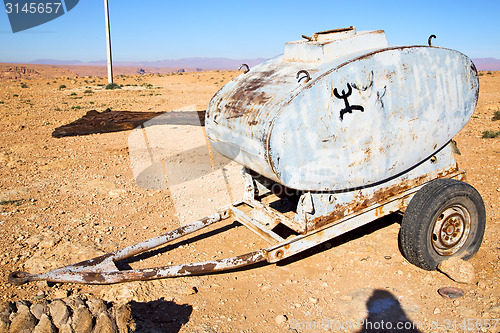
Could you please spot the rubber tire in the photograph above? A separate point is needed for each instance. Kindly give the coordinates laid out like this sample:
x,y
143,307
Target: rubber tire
x,y
415,235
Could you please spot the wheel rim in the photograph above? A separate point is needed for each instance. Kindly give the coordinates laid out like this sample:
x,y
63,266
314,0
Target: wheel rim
x,y
451,230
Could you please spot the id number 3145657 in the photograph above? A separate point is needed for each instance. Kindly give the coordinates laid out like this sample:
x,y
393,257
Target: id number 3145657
x,y
33,7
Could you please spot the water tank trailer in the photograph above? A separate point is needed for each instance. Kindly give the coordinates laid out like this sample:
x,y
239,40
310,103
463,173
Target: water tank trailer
x,y
337,132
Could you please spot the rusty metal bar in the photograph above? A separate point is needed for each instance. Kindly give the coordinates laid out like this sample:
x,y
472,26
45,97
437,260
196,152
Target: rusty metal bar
x,y
106,263
165,238
102,270
65,274
256,226
351,222
336,228
270,213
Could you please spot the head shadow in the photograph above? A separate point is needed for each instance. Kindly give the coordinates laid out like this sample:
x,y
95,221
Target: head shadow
x,y
385,314
160,315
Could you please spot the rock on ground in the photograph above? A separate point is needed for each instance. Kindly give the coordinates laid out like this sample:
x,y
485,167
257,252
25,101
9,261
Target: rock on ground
x,y
458,270
72,314
45,325
22,321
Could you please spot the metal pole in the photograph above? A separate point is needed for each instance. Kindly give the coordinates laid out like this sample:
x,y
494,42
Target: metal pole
x,y
108,43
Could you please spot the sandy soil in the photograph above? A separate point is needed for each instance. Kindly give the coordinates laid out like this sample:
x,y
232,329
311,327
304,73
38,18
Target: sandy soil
x,y
68,199
23,71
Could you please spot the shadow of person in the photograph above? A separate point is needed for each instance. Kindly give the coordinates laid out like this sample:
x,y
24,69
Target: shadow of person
x,y
160,315
385,314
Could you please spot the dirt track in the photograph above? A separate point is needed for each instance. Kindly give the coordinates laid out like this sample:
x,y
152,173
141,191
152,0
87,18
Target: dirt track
x,y
71,198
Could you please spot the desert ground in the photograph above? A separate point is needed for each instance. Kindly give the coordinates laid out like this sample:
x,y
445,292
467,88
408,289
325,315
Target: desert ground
x,y
66,199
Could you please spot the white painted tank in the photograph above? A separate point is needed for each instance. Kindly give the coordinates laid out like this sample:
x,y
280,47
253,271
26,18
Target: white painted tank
x,y
342,109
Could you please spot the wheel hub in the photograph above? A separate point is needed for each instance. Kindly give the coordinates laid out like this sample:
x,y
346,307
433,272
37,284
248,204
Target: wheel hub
x,y
451,230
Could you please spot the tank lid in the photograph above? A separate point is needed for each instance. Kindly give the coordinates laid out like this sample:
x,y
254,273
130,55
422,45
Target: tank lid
x,y
334,34
327,45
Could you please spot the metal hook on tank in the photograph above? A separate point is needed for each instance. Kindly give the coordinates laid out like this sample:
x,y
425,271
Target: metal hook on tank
x,y
429,41
246,68
303,71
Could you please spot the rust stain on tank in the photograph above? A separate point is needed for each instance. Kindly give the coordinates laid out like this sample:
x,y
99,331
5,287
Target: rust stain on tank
x,y
249,93
362,202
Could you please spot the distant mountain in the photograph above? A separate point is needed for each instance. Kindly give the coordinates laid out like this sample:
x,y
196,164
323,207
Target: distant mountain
x,y
487,64
203,63
55,62
482,64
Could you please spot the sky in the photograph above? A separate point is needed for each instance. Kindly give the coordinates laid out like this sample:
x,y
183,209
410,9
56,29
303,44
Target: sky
x,y
156,30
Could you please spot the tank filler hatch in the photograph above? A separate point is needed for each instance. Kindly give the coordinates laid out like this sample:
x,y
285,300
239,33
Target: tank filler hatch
x,y
331,44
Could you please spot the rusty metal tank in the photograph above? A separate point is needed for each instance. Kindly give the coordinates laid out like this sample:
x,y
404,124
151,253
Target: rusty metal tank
x,y
343,109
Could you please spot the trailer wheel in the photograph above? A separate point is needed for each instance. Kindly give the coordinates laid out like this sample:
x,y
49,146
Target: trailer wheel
x,y
445,219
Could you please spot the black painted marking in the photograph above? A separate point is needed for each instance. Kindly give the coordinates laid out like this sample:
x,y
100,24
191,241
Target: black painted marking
x,y
379,96
348,108
364,88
